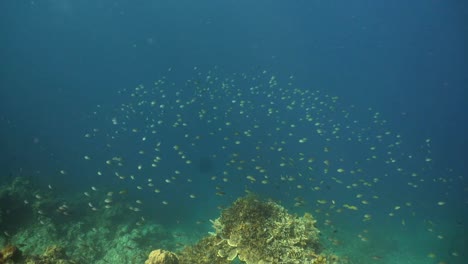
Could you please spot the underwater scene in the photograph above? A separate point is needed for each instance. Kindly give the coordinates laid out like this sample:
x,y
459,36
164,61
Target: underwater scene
x,y
326,132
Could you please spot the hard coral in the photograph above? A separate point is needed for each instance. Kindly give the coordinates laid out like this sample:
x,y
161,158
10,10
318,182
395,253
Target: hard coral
x,y
258,232
10,254
55,252
160,256
208,250
264,232
52,255
320,260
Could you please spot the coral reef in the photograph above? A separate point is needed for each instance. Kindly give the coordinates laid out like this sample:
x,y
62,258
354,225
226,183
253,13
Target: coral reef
x,y
10,254
14,211
32,219
52,255
249,231
160,256
87,242
205,251
256,231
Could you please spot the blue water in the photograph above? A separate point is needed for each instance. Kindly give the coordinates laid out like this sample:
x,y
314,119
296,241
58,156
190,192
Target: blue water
x,y
405,60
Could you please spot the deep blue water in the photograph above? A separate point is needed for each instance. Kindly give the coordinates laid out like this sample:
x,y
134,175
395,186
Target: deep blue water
x,y
406,60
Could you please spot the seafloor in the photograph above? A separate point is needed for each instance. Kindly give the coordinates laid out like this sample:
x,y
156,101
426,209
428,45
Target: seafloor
x,y
37,228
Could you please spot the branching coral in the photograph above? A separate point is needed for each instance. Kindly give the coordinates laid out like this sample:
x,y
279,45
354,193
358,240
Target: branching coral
x,y
256,231
205,251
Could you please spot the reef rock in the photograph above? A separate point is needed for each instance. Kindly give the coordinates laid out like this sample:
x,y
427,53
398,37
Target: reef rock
x,y
160,256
